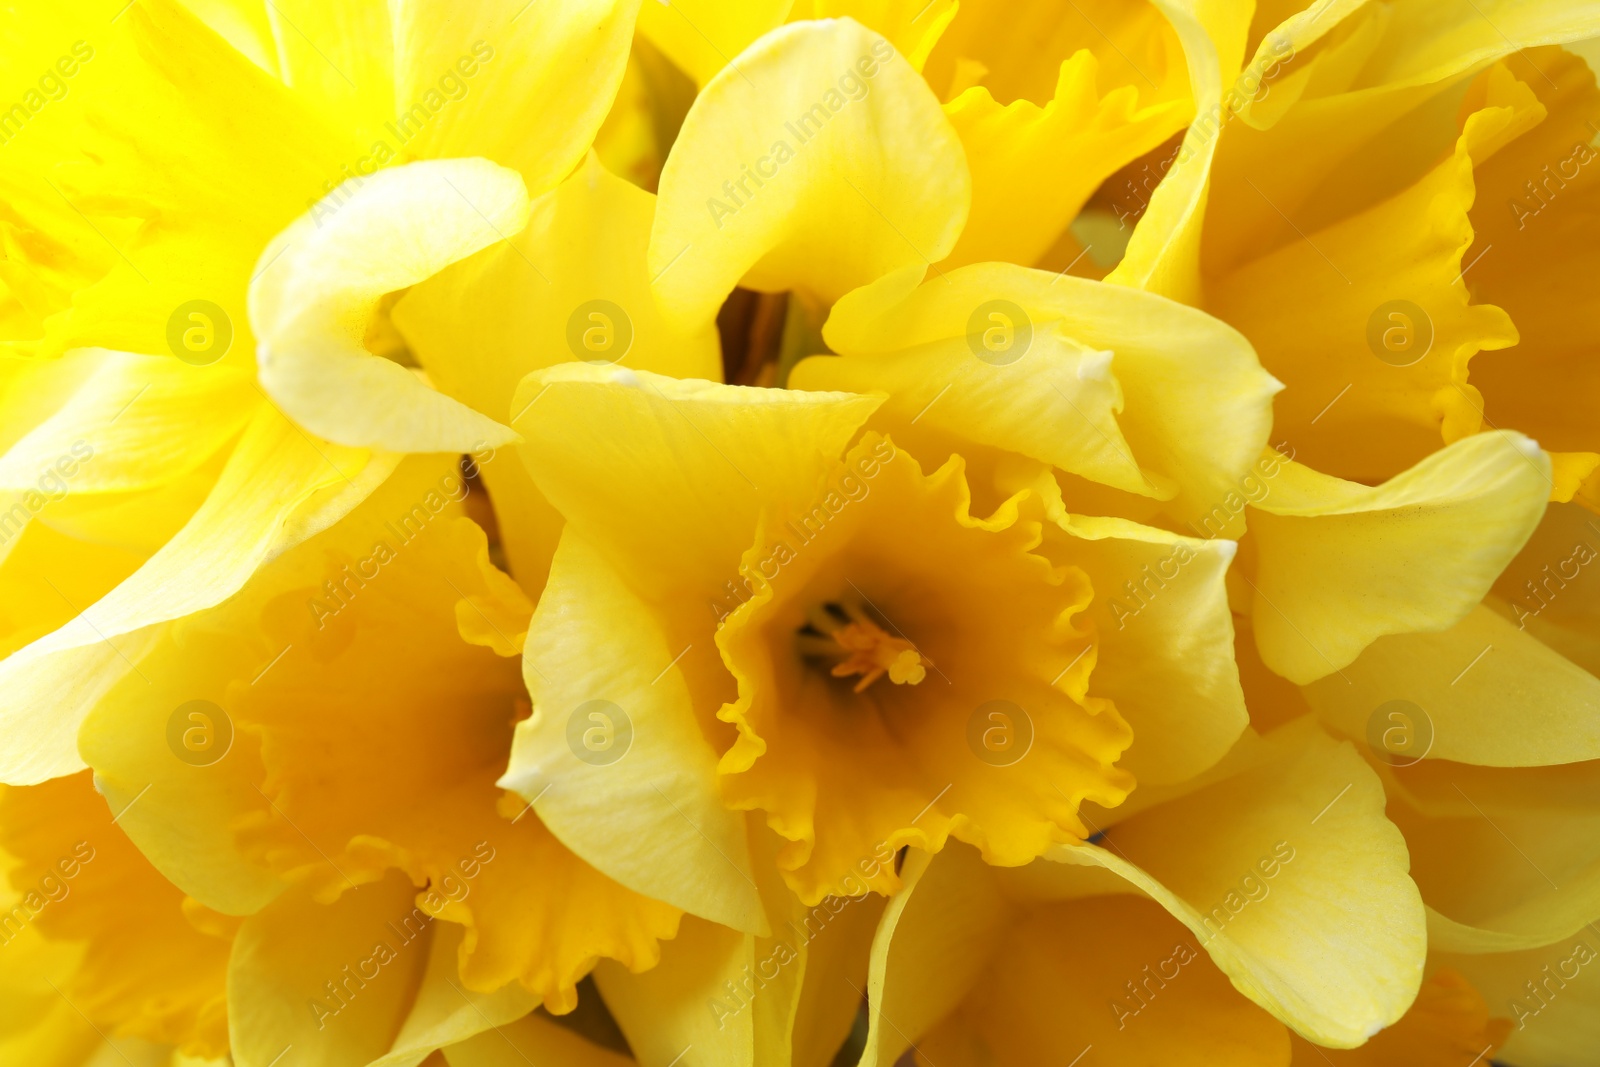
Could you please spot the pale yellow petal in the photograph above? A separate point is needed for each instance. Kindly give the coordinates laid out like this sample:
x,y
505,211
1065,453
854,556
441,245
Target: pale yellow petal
x,y
1293,880
935,940
333,981
759,158
1141,393
1164,629
277,489
320,280
1490,693
649,816
1342,564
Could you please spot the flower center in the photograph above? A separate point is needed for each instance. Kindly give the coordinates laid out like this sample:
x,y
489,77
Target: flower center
x,y
855,644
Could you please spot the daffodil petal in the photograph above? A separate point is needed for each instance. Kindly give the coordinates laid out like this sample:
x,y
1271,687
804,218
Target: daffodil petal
x,y
1164,627
1163,255
334,981
1080,956
542,80
1317,122
760,157
1551,591
445,1012
1342,564
150,134
682,499
935,940
1112,356
1378,408
1450,1022
277,489
134,422
912,26
143,967
479,326
651,819
1507,858
673,1006
1558,1023
320,280
531,1039
324,53
838,936
1493,695
1314,818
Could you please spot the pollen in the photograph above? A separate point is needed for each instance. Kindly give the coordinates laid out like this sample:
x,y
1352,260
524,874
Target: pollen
x,y
861,647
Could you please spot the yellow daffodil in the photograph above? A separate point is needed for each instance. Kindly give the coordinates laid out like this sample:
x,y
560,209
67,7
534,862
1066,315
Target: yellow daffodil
x,y
1132,602
1143,943
145,158
97,943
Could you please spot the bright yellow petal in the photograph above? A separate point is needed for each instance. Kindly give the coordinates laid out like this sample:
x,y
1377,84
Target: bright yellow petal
x,y
1119,974
912,26
1547,386
156,163
1507,859
651,818
147,970
1369,321
134,422
445,1013
673,503
675,1006
1307,144
1554,1008
478,327
1120,89
1552,591
759,159
527,89
1164,251
325,53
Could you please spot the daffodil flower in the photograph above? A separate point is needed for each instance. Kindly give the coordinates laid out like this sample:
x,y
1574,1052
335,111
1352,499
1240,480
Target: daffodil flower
x,y
150,138
1200,927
